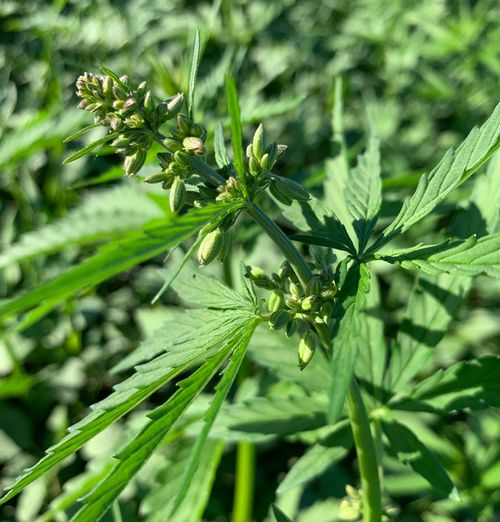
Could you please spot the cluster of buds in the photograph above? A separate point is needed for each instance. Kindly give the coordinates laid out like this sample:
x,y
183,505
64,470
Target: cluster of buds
x,y
261,160
214,245
295,309
187,138
131,113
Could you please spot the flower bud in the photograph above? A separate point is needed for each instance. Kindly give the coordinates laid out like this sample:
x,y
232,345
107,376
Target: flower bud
x,y
276,301
308,303
278,319
174,104
272,151
210,247
307,346
156,177
149,102
184,123
291,327
172,144
265,162
249,151
254,166
281,149
292,189
177,195
276,191
258,142
194,144
134,163
295,290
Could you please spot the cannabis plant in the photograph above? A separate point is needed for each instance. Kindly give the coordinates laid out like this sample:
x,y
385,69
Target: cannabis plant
x,y
352,383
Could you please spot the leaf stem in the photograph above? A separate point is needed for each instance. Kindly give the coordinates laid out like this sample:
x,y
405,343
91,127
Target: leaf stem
x,y
245,478
367,458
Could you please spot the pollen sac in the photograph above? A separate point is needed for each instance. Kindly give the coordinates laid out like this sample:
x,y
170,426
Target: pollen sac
x,y
210,247
177,195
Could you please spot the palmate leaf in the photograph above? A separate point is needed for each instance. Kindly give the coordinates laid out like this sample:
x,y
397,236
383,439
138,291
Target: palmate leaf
x,y
346,336
132,457
363,192
128,394
112,260
471,384
455,167
409,450
239,344
469,257
103,215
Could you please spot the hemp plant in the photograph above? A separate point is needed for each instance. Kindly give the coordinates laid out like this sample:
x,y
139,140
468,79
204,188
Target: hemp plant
x,y
323,300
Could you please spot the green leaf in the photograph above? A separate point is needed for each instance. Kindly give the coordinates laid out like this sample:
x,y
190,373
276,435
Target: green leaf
x,y
263,418
236,133
147,379
363,193
104,214
471,384
194,71
469,257
120,256
133,456
220,146
91,146
81,132
279,515
157,502
409,450
239,345
201,290
346,336
432,305
317,459
455,167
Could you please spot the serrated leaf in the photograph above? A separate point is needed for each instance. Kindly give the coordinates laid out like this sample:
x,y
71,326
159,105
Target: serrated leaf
x,y
195,62
346,336
455,167
239,345
363,192
132,457
91,147
147,379
409,450
220,146
201,290
471,384
319,458
469,257
262,418
112,260
236,133
103,214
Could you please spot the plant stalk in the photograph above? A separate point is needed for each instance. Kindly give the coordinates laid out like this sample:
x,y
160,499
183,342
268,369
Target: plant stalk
x,y
367,458
360,424
244,485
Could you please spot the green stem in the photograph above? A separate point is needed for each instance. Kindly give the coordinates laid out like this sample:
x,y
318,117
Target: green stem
x,y
367,458
282,242
360,424
244,486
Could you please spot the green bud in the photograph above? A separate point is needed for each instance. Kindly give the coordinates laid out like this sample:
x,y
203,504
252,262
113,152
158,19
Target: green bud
x,y
329,293
292,189
172,144
134,163
291,327
107,86
272,152
198,131
278,319
182,159
119,92
292,304
308,303
326,311
265,162
149,102
258,142
254,166
167,183
314,286
141,89
120,142
177,195
174,105
135,121
347,511
259,278
281,149
210,247
193,144
249,151
295,290
156,177
307,346
279,194
184,123
276,301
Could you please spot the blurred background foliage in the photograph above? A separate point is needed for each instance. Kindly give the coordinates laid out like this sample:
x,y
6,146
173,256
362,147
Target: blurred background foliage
x,y
421,73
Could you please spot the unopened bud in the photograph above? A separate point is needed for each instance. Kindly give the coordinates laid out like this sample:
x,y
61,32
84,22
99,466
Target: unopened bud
x,y
258,142
177,195
194,145
278,319
174,104
265,162
156,177
210,247
291,327
292,189
254,166
295,290
134,163
276,191
276,301
184,123
307,346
